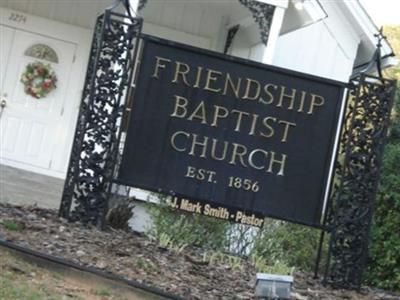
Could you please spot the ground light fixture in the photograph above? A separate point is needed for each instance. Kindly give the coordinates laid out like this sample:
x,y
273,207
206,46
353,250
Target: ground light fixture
x,y
273,286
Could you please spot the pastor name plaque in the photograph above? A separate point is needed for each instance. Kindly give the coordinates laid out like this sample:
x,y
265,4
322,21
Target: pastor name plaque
x,y
231,133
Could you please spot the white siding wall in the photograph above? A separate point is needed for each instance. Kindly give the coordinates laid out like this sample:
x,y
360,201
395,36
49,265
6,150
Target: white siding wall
x,y
327,48
197,18
79,13
315,51
177,36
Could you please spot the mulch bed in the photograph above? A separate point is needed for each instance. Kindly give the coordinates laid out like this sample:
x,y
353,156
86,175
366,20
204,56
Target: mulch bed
x,y
136,257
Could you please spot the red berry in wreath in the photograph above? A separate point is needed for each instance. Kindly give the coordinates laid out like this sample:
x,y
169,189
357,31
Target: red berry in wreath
x,y
38,79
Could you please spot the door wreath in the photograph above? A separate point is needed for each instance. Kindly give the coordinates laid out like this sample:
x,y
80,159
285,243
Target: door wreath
x,y
38,79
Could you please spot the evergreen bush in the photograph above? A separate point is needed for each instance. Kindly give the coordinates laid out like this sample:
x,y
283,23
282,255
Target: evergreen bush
x,y
186,228
383,268
293,244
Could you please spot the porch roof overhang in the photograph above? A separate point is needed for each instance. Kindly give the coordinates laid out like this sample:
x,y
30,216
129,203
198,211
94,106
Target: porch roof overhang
x,y
367,30
300,13
348,21
295,17
83,13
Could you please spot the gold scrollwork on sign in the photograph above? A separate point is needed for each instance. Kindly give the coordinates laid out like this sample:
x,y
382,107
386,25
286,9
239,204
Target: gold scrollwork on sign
x,y
41,51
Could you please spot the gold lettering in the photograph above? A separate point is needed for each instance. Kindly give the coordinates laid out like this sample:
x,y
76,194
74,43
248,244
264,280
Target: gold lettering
x,y
198,76
280,162
217,114
214,146
235,89
270,96
201,174
286,129
159,65
173,137
197,143
253,124
236,153
190,172
290,97
303,97
211,78
219,212
238,216
211,175
251,162
314,102
180,110
202,116
249,82
183,73
239,118
268,127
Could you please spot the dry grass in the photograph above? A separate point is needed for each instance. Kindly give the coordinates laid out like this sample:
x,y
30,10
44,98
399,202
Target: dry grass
x,y
21,280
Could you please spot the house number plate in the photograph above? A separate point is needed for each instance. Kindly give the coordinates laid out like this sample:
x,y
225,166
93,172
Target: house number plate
x,y
18,18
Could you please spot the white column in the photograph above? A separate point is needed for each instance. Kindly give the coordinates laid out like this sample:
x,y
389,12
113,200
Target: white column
x,y
273,35
134,6
259,52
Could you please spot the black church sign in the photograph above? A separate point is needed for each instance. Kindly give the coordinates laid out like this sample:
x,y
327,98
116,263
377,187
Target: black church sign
x,y
241,140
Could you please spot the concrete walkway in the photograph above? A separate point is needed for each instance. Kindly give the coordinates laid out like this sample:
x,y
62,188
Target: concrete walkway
x,y
23,187
26,188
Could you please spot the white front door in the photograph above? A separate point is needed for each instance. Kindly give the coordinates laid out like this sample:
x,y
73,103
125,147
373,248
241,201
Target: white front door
x,y
6,39
29,127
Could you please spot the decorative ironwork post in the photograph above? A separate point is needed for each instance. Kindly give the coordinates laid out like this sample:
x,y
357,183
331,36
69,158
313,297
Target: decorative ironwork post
x,y
263,14
357,174
95,145
231,35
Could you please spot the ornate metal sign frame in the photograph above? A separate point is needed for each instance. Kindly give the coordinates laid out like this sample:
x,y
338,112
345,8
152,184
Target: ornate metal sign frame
x,y
153,126
94,156
356,178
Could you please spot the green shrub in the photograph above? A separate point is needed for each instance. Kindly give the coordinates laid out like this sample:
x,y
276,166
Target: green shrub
x,y
290,244
13,225
384,253
103,292
276,244
383,269
278,267
145,264
166,242
217,258
186,229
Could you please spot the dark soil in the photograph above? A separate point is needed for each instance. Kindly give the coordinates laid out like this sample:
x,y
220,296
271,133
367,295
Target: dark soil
x,y
136,257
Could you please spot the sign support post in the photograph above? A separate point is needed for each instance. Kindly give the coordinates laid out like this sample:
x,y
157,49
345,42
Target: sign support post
x,y
93,156
229,138
357,175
